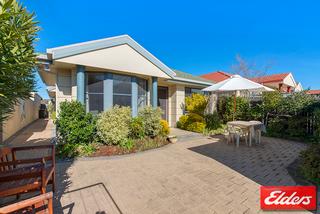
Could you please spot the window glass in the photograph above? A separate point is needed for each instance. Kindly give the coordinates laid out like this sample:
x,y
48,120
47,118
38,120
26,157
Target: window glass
x,y
95,92
190,91
142,92
95,103
122,100
122,87
121,84
95,83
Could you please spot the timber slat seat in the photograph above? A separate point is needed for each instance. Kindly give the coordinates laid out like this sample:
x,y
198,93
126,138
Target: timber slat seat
x,y
23,175
38,204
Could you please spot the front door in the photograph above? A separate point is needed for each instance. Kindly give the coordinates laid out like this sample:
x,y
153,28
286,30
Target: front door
x,y
163,101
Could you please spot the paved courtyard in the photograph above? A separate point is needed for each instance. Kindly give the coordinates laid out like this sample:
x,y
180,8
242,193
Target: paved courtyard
x,y
196,175
199,175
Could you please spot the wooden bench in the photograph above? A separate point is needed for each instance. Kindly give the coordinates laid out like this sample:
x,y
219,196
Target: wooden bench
x,y
38,204
19,176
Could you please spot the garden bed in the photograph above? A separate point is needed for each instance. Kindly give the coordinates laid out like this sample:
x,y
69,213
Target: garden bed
x,y
139,145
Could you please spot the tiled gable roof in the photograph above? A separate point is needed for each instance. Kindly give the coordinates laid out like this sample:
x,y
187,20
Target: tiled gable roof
x,y
217,76
314,92
271,78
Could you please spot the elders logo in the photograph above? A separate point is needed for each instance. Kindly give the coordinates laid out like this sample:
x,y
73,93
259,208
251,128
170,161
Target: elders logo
x,y
288,197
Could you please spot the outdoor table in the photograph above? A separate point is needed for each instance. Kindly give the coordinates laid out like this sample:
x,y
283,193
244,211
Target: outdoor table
x,y
251,127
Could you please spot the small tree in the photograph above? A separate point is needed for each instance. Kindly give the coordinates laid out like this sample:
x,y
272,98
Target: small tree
x,y
18,31
248,69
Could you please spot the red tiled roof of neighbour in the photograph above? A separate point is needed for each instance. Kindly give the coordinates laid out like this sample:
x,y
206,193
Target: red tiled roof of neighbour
x,y
270,78
217,76
313,92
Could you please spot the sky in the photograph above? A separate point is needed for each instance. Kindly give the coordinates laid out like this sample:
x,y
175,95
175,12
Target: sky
x,y
194,36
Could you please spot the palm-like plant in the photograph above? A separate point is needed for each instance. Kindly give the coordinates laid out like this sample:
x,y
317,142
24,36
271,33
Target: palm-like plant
x,y
18,32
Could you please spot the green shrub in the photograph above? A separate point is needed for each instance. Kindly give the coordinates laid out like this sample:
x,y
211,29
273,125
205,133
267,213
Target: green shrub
x,y
113,125
151,118
310,165
197,104
73,150
127,144
196,127
74,125
165,130
136,128
226,108
277,127
187,120
212,121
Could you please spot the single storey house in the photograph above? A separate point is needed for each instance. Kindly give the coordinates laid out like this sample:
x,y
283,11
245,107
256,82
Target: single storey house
x,y
284,82
116,71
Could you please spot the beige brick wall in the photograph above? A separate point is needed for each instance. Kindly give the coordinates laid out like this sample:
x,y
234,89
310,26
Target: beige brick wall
x,y
65,87
25,113
176,103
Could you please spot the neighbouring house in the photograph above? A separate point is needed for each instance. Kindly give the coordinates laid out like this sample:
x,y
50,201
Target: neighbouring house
x,y
217,76
284,82
25,112
116,71
315,93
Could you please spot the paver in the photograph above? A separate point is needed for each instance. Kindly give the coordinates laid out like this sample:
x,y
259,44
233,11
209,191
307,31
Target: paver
x,y
196,175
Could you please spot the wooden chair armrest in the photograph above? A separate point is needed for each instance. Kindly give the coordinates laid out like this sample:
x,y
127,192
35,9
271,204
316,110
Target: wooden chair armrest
x,y
21,148
26,203
24,161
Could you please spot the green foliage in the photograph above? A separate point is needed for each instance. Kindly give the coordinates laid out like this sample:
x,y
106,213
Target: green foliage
x,y
310,165
74,150
137,128
52,111
212,121
197,104
295,103
74,125
216,131
165,130
151,118
127,144
186,121
196,127
226,108
271,101
113,125
18,32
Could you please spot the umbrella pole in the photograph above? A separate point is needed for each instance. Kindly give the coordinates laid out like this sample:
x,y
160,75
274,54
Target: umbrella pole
x,y
235,105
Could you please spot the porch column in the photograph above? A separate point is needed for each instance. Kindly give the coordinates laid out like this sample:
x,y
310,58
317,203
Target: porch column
x,y
134,96
154,96
108,91
80,83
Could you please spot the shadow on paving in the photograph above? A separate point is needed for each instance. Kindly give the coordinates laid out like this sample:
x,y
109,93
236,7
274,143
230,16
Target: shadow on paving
x,y
266,164
94,198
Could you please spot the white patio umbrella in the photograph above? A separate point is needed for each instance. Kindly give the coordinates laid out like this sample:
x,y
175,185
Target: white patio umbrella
x,y
237,83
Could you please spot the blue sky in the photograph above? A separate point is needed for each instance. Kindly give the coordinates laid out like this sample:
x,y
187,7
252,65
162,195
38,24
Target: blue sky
x,y
195,36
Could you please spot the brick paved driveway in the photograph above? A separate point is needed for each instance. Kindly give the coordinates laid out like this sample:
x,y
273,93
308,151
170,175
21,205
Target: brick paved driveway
x,y
195,175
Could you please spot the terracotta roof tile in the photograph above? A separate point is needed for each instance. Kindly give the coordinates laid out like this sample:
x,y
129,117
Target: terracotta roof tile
x,y
314,92
270,78
217,76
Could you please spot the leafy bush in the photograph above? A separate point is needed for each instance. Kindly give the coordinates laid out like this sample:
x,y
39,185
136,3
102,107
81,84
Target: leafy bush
x,y
113,125
151,118
271,101
186,120
74,125
196,127
197,104
165,130
212,121
127,144
73,150
137,128
310,166
226,108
